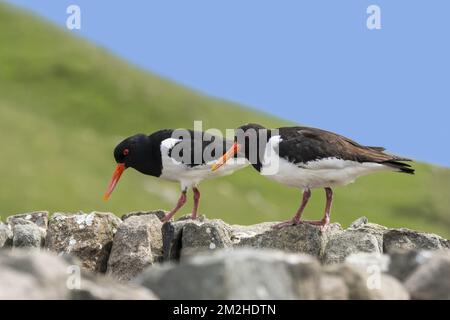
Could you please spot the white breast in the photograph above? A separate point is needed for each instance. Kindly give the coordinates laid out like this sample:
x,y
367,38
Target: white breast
x,y
329,172
188,176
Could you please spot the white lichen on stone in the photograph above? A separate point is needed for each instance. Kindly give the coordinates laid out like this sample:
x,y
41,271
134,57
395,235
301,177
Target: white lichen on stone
x,y
89,219
72,241
84,220
59,217
28,217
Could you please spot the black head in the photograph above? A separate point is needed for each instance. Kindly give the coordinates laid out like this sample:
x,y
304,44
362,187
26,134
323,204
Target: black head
x,y
250,141
131,151
253,138
134,152
251,126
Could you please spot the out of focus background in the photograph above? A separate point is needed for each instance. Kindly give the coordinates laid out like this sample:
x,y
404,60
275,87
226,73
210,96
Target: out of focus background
x,y
66,101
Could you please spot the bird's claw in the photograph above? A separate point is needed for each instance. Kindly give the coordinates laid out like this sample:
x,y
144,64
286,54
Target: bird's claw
x,y
284,224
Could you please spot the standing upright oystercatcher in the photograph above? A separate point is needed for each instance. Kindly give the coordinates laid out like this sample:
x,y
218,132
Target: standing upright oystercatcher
x,y
176,155
309,158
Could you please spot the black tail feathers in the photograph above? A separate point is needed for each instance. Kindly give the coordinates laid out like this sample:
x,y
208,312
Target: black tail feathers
x,y
401,166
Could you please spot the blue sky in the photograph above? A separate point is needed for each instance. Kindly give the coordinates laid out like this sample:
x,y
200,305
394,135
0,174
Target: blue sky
x,y
313,62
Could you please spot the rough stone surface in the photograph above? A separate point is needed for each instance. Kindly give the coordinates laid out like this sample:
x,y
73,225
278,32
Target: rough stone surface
x,y
238,274
137,244
368,284
333,287
369,260
431,279
344,243
409,239
29,229
303,238
26,234
445,243
361,221
158,213
171,234
404,262
43,275
40,218
86,236
210,259
210,235
6,236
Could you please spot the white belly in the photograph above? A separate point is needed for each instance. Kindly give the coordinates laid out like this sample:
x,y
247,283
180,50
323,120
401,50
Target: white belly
x,y
328,172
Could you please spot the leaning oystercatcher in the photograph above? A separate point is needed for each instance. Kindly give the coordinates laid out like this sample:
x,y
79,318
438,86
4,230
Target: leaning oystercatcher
x,y
309,158
176,155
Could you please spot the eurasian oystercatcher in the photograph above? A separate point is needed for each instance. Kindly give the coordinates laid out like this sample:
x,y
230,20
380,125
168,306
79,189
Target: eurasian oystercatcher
x,y
176,155
309,158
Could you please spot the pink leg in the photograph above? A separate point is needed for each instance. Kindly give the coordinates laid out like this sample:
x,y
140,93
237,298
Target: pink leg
x,y
180,203
296,219
326,218
196,202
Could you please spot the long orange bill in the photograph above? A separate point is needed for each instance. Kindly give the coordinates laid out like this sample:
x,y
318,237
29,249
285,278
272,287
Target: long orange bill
x,y
229,154
115,178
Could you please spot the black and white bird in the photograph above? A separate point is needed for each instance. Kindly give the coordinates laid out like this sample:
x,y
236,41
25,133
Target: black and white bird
x,y
309,158
184,156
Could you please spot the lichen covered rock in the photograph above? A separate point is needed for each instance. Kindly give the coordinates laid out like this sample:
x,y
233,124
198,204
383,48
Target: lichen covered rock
x,y
6,235
431,279
137,244
43,275
26,234
89,237
238,274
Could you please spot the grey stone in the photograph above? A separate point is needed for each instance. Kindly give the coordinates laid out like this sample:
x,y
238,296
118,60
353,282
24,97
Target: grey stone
x,y
238,274
26,234
359,222
302,238
378,231
431,279
40,218
137,244
369,260
344,243
209,235
403,262
390,289
333,287
368,284
86,236
445,243
6,236
158,213
171,235
409,239
172,232
43,275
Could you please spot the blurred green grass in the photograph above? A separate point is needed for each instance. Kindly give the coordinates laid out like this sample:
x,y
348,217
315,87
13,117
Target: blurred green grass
x,y
65,103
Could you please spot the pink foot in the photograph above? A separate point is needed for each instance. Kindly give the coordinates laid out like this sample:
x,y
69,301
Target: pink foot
x,y
284,224
193,216
166,218
321,223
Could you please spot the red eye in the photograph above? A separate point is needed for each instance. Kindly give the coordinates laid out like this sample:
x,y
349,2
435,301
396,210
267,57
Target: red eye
x,y
126,152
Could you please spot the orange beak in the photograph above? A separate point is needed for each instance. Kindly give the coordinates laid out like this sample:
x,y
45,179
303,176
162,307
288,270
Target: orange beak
x,y
229,154
115,178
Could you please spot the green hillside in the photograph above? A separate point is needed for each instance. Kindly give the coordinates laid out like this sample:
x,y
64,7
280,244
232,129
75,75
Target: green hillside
x,y
65,103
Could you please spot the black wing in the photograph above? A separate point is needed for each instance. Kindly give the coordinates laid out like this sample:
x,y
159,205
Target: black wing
x,y
300,145
198,148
